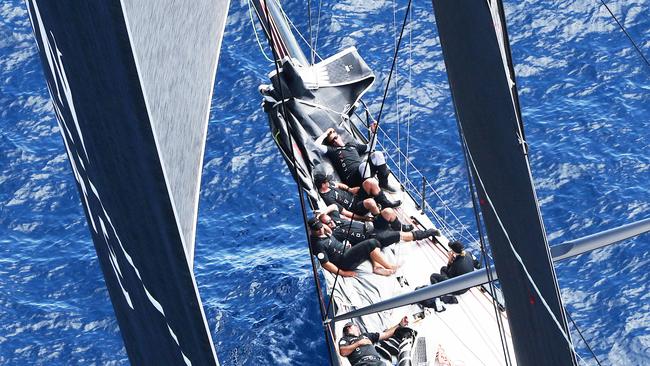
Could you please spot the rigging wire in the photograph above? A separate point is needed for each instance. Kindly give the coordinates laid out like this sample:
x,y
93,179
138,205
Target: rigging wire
x,y
397,106
626,33
311,38
373,137
311,49
250,13
320,5
484,255
518,257
583,338
410,79
300,194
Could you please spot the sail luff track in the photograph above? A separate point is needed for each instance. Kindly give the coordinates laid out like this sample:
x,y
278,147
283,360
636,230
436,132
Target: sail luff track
x,y
110,98
480,86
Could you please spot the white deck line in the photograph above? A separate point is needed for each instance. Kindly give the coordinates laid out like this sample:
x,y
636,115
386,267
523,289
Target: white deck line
x,y
467,332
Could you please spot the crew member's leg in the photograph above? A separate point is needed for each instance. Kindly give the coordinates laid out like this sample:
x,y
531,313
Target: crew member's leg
x,y
437,277
371,186
354,256
380,265
391,217
418,234
367,249
371,205
389,237
443,271
383,172
361,177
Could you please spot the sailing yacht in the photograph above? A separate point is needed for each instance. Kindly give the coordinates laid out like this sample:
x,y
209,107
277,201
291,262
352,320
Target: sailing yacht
x,y
114,74
307,98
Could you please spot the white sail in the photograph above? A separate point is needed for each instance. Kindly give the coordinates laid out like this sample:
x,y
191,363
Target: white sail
x,y
131,84
178,89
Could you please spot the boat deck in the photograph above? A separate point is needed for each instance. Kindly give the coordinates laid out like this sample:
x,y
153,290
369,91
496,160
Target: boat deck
x,y
464,334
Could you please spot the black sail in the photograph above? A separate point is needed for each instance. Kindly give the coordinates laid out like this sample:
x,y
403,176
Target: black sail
x,y
487,113
109,106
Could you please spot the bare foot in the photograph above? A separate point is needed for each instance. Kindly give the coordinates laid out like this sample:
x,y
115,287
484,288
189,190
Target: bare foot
x,y
383,271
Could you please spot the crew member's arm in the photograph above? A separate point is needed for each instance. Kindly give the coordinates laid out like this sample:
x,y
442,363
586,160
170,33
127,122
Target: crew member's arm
x,y
328,230
329,209
332,268
345,187
368,148
346,350
475,262
450,257
321,138
352,216
390,331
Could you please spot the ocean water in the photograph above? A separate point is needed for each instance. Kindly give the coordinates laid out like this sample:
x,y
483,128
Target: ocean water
x,y
585,97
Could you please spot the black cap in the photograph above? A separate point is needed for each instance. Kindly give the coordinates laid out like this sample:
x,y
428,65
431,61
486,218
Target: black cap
x,y
456,246
320,178
346,326
314,223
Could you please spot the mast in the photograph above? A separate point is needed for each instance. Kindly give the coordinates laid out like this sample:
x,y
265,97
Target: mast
x,y
480,79
131,85
280,34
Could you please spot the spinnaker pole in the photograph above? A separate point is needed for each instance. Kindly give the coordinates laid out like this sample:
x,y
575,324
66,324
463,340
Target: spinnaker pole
x,y
560,252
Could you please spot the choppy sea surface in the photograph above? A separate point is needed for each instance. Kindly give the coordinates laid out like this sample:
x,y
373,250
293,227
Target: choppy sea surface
x,y
585,98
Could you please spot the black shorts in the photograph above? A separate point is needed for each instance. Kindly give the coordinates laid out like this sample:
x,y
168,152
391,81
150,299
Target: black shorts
x,y
387,237
355,179
357,206
370,361
357,254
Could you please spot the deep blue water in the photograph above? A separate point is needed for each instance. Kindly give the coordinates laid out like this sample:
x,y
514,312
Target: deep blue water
x,y
585,97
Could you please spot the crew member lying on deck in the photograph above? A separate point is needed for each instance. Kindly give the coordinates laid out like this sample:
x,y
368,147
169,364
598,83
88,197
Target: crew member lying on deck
x,y
459,262
358,347
354,170
386,220
334,255
350,203
355,232
352,231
